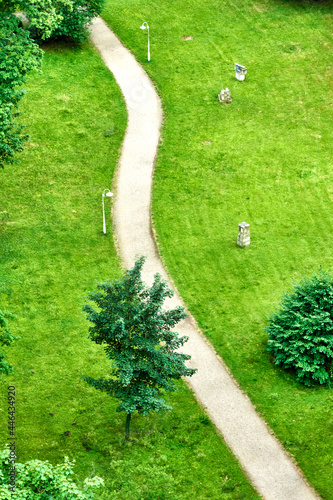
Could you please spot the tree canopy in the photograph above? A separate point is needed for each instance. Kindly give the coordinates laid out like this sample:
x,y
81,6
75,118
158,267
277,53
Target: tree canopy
x,y
57,18
139,341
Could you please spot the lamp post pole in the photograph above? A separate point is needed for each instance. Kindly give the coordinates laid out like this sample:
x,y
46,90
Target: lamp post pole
x,y
108,194
143,27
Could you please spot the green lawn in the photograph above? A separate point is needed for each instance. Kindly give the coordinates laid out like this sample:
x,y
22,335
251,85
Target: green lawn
x,y
51,252
268,162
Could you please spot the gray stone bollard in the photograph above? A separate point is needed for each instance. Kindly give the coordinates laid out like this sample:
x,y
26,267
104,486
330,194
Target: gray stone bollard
x,y
243,239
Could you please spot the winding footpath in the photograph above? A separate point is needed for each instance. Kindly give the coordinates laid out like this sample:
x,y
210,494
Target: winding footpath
x,y
270,470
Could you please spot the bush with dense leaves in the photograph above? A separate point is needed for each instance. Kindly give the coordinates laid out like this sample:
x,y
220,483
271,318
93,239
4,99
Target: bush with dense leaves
x,y
301,330
76,21
37,480
58,18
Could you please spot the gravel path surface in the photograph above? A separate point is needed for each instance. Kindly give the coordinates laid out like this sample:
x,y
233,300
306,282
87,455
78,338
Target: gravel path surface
x,y
271,471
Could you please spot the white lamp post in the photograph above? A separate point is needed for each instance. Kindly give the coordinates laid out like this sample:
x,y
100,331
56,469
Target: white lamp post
x,y
108,194
143,27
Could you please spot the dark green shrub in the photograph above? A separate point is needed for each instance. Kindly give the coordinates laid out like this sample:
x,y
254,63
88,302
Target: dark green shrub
x,y
301,330
76,21
59,18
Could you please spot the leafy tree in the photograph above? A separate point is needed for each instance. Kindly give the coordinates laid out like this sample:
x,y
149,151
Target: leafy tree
x,y
8,6
37,480
77,19
138,339
18,55
44,16
57,18
301,330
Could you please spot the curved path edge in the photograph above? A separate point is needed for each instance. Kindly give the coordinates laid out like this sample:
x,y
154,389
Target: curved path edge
x,y
271,471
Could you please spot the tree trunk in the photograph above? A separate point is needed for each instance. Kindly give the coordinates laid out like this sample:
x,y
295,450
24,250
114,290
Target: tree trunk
x,y
127,427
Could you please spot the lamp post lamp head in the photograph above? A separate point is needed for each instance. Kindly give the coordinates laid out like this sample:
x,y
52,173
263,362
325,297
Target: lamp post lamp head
x,y
143,27
107,193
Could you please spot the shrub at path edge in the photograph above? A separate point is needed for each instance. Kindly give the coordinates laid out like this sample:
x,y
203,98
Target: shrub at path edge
x,y
301,331
57,18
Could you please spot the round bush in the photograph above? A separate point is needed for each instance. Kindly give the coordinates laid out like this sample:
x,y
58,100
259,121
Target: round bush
x,y
301,330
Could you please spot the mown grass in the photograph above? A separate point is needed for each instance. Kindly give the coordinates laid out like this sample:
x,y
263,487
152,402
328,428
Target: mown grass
x,y
51,252
265,159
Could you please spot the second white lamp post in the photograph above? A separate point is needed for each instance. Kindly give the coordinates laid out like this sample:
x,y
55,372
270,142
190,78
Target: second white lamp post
x,y
108,194
143,27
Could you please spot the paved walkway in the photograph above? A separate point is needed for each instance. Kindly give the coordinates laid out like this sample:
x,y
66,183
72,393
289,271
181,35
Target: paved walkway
x,y
272,473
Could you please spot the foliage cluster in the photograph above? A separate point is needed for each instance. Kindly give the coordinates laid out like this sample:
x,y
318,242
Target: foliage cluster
x,y
138,340
18,55
58,18
37,480
301,331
